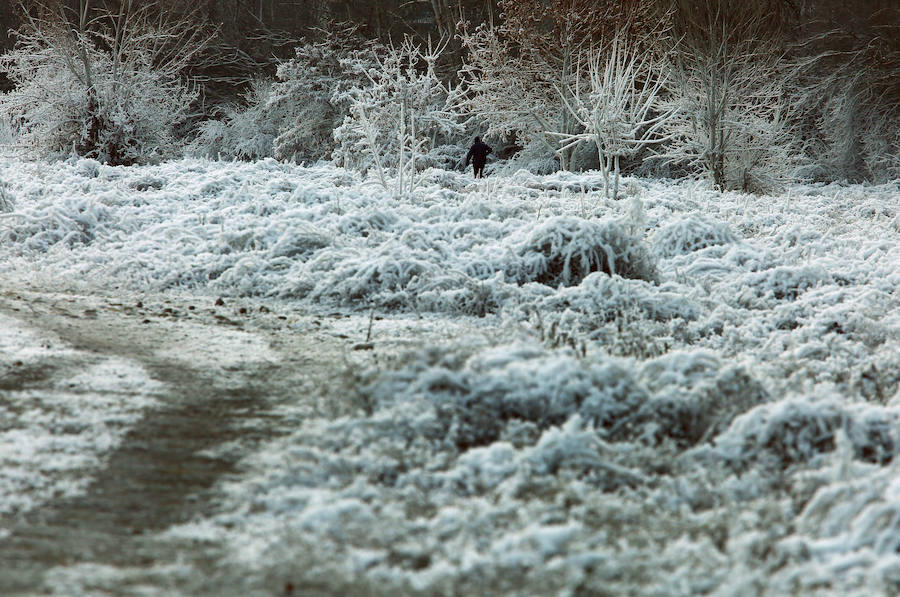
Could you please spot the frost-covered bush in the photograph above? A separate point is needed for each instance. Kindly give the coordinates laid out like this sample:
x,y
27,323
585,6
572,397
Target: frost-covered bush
x,y
782,283
534,158
749,146
475,401
688,234
564,250
6,133
312,95
695,396
398,117
456,292
101,84
347,277
625,317
75,222
244,132
294,116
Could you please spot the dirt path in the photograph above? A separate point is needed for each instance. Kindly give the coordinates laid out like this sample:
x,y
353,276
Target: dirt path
x,y
224,368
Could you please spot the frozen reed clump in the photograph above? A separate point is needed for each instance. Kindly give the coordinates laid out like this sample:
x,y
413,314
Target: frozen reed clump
x,y
690,233
784,282
7,202
799,431
563,250
70,223
386,277
691,396
476,399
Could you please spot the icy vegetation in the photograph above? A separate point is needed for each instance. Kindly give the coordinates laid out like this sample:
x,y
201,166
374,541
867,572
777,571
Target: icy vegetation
x,y
680,392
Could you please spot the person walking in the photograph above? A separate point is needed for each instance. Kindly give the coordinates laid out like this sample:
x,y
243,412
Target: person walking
x,y
478,155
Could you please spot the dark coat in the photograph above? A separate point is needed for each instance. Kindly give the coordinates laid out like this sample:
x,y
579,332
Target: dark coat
x,y
478,153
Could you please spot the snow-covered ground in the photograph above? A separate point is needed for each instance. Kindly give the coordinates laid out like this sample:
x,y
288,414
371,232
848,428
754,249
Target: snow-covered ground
x,y
680,392
49,439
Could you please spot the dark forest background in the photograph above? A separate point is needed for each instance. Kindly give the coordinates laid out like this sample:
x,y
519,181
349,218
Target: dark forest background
x,y
838,64
254,34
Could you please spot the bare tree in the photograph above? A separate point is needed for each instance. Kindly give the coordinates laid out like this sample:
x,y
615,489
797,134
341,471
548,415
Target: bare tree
x,y
620,109
729,91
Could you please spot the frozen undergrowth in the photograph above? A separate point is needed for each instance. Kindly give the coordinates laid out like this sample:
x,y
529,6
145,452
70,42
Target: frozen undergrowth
x,y
718,416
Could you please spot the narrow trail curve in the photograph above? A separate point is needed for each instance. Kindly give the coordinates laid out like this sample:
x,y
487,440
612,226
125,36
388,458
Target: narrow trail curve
x,y
160,474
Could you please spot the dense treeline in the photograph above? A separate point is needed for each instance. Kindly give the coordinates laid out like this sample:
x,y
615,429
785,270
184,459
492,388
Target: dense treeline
x,y
750,94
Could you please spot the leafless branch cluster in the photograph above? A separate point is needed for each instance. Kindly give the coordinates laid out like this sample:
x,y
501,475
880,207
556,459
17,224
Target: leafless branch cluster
x,y
620,108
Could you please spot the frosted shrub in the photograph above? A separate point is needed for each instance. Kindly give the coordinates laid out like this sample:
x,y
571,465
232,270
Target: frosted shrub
x,y
487,396
625,317
577,447
533,158
398,117
73,223
513,92
455,292
312,95
299,242
104,84
695,396
564,250
879,380
385,277
245,132
856,130
294,116
6,133
871,432
785,282
690,233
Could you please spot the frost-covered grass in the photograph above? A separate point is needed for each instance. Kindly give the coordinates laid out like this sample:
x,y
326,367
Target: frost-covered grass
x,y
695,392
